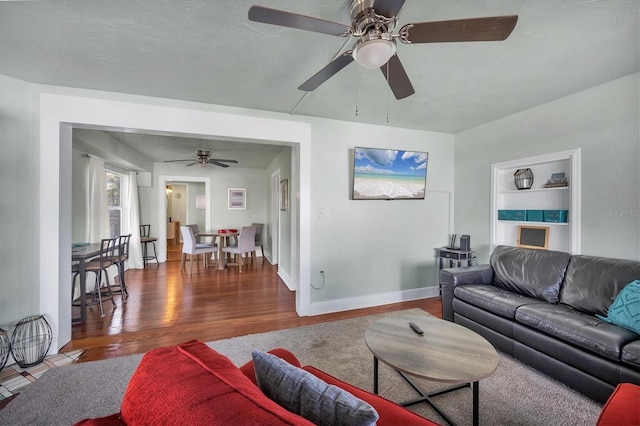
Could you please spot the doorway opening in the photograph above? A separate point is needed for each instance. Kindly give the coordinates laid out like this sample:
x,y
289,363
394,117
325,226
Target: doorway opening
x,y
175,208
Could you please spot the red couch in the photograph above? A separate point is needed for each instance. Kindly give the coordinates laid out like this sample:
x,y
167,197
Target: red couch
x,y
191,384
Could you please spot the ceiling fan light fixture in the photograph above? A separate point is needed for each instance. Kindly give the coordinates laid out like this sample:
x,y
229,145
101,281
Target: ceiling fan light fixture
x,y
374,53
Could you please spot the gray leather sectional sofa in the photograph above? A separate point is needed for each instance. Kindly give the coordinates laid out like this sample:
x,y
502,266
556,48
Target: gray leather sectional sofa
x,y
540,307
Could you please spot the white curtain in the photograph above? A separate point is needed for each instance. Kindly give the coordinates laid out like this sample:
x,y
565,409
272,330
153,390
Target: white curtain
x,y
135,248
97,213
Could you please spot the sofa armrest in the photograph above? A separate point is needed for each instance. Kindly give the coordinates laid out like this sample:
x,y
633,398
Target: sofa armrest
x,y
449,278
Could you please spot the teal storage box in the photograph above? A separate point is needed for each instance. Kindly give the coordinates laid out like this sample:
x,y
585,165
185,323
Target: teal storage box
x,y
512,215
535,215
558,216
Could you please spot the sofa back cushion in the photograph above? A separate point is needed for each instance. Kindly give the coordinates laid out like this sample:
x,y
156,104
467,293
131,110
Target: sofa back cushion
x,y
531,272
193,384
591,283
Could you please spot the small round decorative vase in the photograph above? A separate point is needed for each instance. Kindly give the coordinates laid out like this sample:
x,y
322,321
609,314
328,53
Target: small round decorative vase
x,y
523,178
5,348
31,340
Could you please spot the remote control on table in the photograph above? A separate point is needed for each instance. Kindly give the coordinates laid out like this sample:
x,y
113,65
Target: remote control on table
x,y
415,328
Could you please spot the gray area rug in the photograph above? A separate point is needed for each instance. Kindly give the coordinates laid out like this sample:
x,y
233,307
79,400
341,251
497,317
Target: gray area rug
x,y
514,395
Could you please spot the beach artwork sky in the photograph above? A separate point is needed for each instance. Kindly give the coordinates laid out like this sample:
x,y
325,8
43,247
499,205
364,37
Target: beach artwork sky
x,y
389,174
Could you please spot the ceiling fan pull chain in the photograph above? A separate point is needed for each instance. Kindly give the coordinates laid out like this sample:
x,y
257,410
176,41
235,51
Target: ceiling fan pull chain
x,y
356,90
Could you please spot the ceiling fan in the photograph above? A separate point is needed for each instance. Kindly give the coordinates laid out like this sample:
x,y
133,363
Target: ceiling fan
x,y
202,158
372,24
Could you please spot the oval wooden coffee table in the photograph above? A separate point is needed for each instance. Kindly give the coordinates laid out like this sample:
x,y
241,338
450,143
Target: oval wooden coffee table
x,y
446,352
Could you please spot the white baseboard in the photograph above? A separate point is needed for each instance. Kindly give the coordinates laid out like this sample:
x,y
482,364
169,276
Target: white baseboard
x,y
340,305
288,281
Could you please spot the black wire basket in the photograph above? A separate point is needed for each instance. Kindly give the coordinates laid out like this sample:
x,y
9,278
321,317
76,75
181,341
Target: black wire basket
x,y
5,347
523,178
31,340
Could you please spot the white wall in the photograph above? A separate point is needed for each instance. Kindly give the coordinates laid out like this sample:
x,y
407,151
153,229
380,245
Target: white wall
x,y
19,296
604,122
195,215
221,180
374,251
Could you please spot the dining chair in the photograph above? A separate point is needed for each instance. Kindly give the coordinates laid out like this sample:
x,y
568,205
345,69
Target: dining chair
x,y
196,230
246,244
258,238
121,255
98,266
145,239
189,247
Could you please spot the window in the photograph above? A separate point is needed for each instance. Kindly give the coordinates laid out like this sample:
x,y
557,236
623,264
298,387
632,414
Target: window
x,y
114,202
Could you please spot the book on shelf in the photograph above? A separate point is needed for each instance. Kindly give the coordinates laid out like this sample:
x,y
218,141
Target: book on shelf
x,y
556,184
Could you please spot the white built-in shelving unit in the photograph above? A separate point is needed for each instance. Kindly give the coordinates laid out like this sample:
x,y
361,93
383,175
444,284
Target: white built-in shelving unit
x,y
505,196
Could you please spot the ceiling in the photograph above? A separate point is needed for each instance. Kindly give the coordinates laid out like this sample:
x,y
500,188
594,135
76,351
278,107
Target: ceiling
x,y
166,148
208,51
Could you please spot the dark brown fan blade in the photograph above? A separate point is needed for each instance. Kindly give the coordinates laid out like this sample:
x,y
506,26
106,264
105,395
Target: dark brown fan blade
x,y
293,20
397,77
222,160
327,72
191,164
388,8
495,28
217,163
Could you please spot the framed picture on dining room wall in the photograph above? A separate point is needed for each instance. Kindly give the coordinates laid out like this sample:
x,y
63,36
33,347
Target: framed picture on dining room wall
x,y
284,195
237,199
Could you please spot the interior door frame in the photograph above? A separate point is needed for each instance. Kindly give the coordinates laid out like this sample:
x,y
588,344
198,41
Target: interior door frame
x,y
275,217
162,207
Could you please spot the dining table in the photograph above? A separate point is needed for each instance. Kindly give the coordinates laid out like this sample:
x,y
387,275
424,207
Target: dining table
x,y
82,253
223,237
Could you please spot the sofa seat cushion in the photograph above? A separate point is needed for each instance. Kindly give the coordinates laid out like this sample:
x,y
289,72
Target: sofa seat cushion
x,y
391,414
576,328
591,283
631,353
534,273
493,299
193,384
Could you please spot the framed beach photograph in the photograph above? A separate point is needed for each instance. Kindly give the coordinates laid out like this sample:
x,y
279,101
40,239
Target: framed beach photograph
x,y
284,195
389,174
237,198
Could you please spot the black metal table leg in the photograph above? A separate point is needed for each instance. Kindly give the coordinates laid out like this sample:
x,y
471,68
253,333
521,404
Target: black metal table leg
x,y
375,375
476,402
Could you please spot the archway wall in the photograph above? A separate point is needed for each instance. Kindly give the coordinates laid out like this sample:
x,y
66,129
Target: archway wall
x,y
60,113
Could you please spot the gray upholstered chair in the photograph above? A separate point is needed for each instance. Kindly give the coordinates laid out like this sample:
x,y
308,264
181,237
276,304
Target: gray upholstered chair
x,y
258,238
199,243
190,247
246,245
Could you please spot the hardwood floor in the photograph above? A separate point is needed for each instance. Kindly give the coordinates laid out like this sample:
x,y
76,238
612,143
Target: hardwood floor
x,y
166,307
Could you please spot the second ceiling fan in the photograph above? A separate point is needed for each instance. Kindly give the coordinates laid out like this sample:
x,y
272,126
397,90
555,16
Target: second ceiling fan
x,y
203,157
372,23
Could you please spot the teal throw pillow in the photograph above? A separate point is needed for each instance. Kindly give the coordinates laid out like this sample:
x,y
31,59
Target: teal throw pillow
x,y
625,309
302,393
